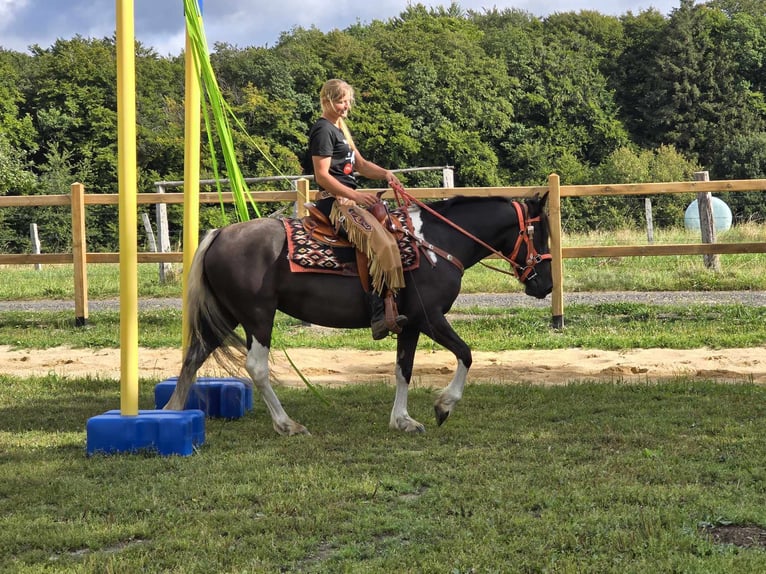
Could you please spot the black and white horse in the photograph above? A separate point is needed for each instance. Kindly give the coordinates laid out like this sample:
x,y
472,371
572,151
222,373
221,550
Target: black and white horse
x,y
241,276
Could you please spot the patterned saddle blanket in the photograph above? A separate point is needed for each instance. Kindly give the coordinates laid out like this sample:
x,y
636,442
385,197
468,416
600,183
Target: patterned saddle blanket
x,y
307,255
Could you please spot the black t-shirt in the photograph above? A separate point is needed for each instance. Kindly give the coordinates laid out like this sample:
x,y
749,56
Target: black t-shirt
x,y
326,140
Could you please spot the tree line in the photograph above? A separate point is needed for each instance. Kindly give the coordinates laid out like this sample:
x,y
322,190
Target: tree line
x,y
503,96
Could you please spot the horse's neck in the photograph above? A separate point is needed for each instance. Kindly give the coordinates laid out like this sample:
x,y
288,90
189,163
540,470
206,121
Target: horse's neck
x,y
493,227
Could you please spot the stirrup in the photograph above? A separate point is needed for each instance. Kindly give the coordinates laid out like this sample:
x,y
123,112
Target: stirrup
x,y
393,320
381,329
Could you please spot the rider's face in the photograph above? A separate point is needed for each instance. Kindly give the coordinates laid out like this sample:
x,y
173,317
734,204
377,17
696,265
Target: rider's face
x,y
341,107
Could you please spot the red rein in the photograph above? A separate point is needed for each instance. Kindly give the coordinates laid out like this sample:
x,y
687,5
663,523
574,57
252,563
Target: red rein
x,y
522,272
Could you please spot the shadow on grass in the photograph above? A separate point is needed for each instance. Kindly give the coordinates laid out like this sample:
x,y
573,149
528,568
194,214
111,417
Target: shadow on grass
x,y
59,404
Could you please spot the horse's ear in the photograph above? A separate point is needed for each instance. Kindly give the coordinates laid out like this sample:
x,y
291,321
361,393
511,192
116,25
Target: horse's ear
x,y
537,203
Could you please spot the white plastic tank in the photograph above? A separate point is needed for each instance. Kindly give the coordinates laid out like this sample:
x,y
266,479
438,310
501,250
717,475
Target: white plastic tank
x,y
721,215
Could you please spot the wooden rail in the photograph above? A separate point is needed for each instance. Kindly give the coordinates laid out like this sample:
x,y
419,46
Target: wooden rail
x,y
77,200
560,253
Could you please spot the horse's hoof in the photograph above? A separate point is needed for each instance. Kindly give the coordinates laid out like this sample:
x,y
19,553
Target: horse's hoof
x,y
291,429
408,425
172,405
300,430
441,415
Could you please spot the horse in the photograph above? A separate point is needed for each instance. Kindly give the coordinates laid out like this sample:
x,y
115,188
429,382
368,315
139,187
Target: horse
x,y
240,275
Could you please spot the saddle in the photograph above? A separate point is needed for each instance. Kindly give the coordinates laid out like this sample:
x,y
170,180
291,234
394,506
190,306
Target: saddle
x,y
314,246
319,227
319,230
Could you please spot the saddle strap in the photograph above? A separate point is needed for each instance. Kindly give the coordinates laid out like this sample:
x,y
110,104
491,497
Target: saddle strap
x,y
426,246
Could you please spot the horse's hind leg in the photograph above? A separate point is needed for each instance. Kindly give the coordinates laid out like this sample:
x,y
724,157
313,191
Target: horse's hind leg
x,y
257,365
199,350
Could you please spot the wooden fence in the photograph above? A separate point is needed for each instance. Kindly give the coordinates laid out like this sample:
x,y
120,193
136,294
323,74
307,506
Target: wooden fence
x,y
77,200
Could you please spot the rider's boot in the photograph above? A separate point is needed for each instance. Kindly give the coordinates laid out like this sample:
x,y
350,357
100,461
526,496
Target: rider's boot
x,y
385,316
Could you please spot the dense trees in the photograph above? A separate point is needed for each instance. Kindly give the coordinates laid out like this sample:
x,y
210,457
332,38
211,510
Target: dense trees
x,y
504,96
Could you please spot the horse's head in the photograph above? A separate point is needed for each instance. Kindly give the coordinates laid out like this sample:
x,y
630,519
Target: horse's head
x,y
531,258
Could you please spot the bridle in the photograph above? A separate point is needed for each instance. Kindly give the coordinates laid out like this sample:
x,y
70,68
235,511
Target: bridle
x,y
526,235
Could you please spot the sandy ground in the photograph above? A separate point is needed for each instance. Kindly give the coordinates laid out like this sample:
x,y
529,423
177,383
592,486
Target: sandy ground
x,y
433,369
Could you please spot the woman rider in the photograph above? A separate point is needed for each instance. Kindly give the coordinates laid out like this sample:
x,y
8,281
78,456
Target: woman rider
x,y
335,159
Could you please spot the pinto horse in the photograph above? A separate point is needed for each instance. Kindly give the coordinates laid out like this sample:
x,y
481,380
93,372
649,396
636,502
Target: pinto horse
x,y
240,275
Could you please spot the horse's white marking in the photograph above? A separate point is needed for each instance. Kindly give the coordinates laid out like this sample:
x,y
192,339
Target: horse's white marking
x,y
453,392
257,365
400,401
400,418
417,230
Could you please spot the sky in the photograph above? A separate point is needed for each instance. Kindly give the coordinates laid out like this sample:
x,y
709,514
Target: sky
x,y
159,24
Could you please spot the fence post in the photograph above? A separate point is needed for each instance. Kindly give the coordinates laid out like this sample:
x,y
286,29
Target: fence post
x,y
649,220
34,237
557,261
149,232
79,255
302,197
707,223
448,178
161,211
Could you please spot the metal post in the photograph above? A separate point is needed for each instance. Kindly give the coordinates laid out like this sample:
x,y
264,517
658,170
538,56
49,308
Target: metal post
x,y
128,216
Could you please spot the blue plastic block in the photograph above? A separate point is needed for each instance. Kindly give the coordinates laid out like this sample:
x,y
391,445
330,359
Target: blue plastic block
x,y
228,398
166,432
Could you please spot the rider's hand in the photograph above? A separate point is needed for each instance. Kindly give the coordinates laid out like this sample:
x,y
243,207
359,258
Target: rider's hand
x,y
392,180
365,199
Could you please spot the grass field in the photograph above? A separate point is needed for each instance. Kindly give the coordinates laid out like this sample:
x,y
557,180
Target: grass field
x,y
585,477
668,273
580,478
608,326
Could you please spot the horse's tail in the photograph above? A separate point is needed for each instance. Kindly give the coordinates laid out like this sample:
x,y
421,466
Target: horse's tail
x,y
210,330
211,327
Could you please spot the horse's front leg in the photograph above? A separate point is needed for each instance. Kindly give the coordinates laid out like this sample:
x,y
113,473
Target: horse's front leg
x,y
406,344
257,365
442,332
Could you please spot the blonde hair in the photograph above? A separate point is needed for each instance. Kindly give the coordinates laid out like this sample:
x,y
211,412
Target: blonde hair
x,y
333,91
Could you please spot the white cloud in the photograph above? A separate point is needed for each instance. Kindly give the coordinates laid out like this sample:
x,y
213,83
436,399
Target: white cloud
x,y
159,24
8,9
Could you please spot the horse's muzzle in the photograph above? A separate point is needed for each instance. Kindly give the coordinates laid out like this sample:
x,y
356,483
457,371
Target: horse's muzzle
x,y
536,286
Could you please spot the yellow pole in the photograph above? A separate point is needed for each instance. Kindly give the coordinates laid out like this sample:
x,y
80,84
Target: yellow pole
x,y
128,188
191,178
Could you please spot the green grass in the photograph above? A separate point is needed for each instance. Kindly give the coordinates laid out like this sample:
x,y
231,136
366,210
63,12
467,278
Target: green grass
x,y
606,326
22,282
669,273
579,478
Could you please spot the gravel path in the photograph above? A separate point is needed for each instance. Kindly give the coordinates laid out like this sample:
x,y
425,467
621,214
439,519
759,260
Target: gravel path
x,y
591,298
464,300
